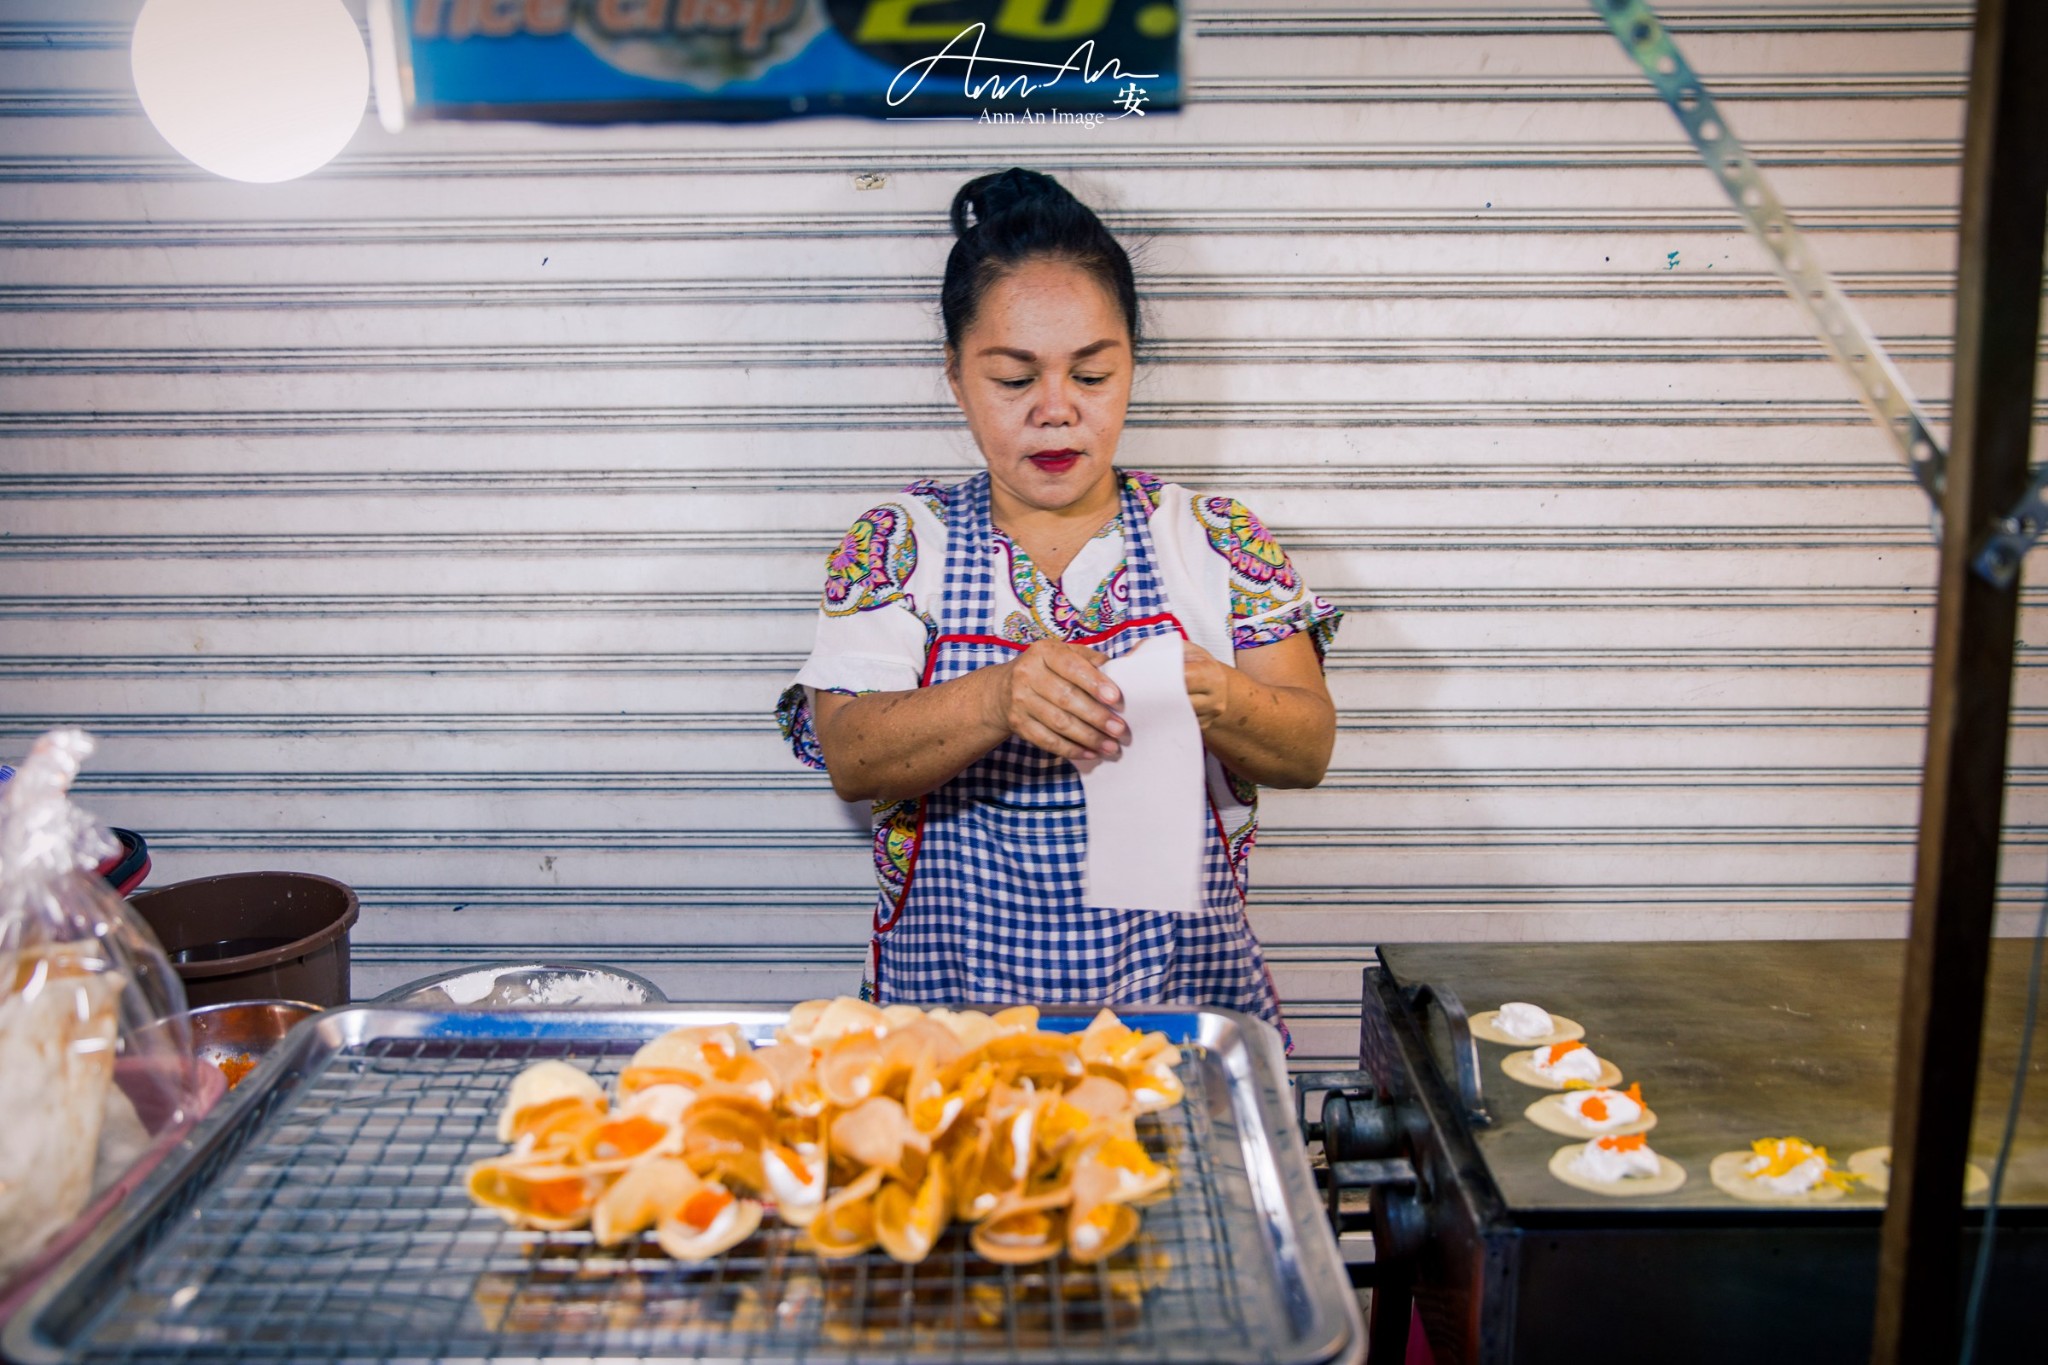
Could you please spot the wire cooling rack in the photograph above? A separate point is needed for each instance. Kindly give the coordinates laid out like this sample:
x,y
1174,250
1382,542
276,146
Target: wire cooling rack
x,y
338,1228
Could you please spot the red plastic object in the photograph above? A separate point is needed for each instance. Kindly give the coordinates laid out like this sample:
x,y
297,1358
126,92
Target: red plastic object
x,y
126,870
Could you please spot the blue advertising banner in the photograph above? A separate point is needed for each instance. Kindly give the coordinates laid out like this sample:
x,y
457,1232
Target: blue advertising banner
x,y
593,61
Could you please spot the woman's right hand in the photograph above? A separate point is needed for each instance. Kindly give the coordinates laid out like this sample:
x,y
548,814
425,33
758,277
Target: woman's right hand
x,y
1056,696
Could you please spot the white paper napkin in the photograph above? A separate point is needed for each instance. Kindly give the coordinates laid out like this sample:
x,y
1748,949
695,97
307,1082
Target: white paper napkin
x,y
1145,805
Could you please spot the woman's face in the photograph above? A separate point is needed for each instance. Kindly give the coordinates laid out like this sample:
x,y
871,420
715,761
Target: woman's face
x,y
1044,377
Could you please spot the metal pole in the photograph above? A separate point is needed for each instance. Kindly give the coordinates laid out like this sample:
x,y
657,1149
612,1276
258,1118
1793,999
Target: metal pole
x,y
1955,891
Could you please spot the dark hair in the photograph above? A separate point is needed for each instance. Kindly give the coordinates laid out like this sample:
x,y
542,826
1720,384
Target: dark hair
x,y
1010,217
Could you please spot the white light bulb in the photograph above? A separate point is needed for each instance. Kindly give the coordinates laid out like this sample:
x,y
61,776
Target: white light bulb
x,y
257,90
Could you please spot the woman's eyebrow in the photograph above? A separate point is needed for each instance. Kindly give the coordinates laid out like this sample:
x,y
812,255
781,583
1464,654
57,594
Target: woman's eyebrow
x,y
1090,349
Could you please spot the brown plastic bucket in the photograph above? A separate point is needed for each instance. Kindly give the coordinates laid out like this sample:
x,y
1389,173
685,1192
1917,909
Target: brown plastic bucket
x,y
256,936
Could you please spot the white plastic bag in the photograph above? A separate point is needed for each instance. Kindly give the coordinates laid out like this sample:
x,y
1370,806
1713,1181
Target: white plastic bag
x,y
84,987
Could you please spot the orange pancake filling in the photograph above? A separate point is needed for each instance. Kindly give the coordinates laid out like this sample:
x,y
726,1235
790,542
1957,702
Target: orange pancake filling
x,y
628,1137
704,1206
1595,1110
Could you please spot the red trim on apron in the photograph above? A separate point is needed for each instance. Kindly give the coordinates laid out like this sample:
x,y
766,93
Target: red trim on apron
x,y
931,654
931,661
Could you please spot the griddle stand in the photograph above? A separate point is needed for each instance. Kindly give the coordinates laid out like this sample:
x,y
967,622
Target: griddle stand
x,y
1367,1149
1365,1153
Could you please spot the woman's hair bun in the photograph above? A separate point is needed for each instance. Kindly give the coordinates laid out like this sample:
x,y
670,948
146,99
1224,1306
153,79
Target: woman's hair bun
x,y
1006,218
993,195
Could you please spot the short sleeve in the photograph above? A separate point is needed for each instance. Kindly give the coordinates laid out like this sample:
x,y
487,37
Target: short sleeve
x,y
871,632
1268,599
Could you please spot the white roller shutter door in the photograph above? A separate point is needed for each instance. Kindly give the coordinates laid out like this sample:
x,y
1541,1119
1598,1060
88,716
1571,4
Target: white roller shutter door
x,y
448,521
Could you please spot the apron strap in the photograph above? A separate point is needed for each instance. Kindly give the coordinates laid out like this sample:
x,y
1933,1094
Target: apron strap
x,y
968,593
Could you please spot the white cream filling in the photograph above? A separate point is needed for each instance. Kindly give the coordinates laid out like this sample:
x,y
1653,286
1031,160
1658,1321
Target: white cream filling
x,y
1579,1064
1020,1144
794,1187
727,1216
1621,1110
1520,1019
1607,1165
1798,1180
721,1228
662,1103
948,1111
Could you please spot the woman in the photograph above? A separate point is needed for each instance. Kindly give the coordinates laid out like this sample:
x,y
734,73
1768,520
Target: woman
x,y
958,664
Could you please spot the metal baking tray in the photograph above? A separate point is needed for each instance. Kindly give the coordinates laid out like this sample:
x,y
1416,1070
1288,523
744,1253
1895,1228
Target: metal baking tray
x,y
322,1216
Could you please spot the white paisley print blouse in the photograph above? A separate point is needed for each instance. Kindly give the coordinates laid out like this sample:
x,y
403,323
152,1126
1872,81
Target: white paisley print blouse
x,y
879,614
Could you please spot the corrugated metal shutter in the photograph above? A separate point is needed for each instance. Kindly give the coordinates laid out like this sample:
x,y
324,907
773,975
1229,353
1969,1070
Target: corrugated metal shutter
x,y
446,522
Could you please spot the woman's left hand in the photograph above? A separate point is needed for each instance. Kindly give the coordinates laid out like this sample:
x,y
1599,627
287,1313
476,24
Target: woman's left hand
x,y
1267,714
1208,684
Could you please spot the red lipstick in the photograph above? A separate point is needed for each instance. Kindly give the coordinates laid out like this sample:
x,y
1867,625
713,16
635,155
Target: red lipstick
x,y
1056,461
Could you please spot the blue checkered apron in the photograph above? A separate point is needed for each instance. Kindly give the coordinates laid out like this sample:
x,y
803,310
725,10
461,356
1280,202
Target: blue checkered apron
x,y
992,911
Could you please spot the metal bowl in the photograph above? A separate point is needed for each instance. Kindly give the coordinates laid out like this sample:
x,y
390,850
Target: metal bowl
x,y
517,985
235,1036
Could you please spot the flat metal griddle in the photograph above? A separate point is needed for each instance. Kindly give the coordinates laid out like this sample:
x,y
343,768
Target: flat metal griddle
x,y
1732,1042
323,1218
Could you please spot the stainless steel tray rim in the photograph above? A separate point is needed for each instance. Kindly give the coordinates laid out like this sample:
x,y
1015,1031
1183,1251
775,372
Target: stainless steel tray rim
x,y
58,1325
